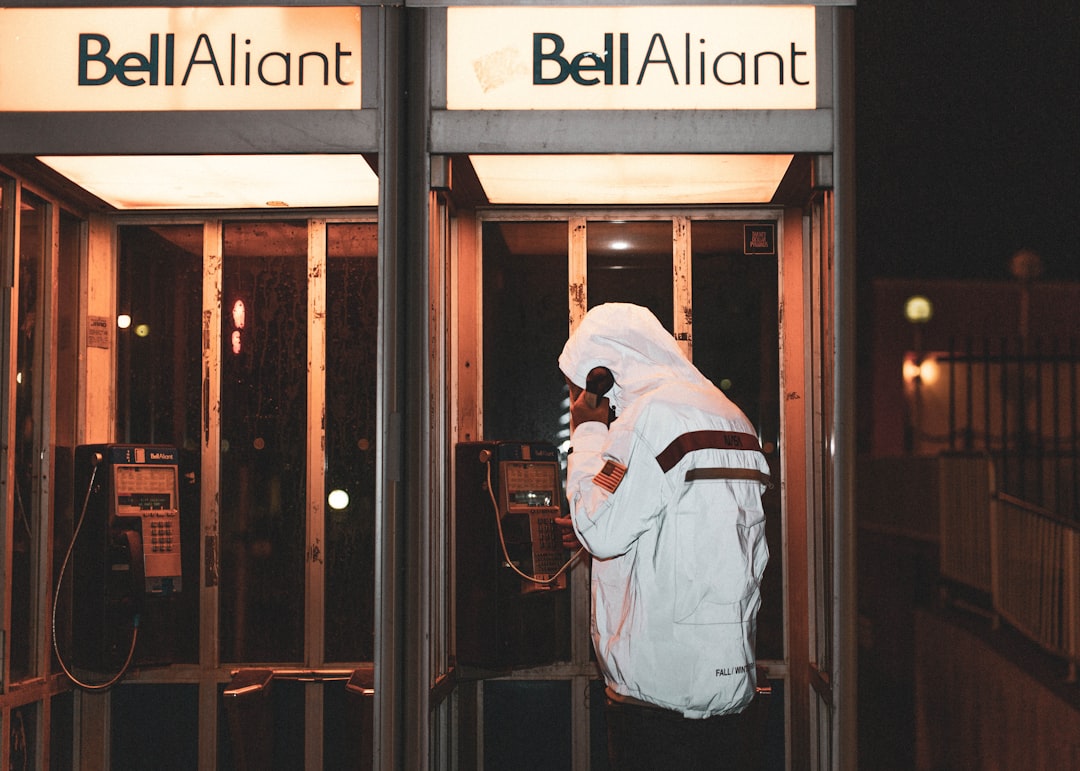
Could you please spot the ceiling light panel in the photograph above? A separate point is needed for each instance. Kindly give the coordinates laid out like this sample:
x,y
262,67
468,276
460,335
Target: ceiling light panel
x,y
144,182
630,179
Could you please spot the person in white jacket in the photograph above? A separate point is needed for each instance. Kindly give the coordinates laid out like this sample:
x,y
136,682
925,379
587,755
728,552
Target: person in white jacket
x,y
667,500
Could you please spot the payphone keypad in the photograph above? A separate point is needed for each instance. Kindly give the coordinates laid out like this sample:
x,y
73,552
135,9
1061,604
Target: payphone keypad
x,y
162,537
547,544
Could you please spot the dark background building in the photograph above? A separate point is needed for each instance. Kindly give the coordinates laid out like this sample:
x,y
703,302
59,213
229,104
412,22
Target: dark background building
x,y
966,168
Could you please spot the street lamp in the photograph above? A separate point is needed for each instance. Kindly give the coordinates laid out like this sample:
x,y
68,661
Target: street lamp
x,y
918,310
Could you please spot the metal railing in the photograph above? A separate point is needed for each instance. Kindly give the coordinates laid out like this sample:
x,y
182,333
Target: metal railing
x,y
965,493
1035,563
1026,557
1016,399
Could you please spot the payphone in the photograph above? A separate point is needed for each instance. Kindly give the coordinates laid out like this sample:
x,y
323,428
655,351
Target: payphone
x,y
512,604
125,555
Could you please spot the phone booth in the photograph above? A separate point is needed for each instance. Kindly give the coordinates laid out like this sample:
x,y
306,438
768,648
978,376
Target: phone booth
x,y
697,161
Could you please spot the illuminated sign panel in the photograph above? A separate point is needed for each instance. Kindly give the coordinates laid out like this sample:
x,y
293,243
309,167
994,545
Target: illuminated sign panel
x,y
612,58
140,59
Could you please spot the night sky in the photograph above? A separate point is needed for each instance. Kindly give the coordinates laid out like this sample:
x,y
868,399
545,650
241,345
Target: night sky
x,y
967,136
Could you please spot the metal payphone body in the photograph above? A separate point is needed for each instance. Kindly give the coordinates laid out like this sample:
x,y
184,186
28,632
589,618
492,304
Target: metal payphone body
x,y
512,604
126,559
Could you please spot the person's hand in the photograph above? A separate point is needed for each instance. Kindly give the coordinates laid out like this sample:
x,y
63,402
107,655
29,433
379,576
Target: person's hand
x,y
586,407
569,538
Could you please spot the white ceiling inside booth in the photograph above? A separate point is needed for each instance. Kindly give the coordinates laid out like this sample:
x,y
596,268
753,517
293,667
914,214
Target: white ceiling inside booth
x,y
161,182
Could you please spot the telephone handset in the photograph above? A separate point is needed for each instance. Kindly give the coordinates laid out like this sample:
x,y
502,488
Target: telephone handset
x,y
598,383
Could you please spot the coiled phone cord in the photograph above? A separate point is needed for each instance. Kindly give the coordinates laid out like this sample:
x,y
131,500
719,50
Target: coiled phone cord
x,y
502,539
56,598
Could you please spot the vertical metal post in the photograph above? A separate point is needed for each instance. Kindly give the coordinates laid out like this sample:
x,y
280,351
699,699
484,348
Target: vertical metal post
x,y
682,285
389,718
1055,387
1036,362
969,437
404,571
314,572
988,436
580,647
1003,481
1074,427
845,680
952,393
9,205
1022,443
210,474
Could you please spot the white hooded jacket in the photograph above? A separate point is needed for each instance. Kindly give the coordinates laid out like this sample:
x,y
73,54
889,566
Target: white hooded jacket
x,y
677,562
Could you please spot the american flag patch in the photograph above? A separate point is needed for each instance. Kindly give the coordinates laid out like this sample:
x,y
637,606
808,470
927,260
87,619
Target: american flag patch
x,y
610,475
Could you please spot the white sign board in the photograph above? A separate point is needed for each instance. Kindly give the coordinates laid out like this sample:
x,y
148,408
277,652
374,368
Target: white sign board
x,y
143,59
616,58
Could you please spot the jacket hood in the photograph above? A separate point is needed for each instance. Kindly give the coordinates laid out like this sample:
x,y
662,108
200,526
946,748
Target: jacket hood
x,y
631,342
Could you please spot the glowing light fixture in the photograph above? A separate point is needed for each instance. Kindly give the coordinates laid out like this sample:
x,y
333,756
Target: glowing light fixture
x,y
123,321
222,181
911,369
630,179
239,314
337,499
927,371
918,309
